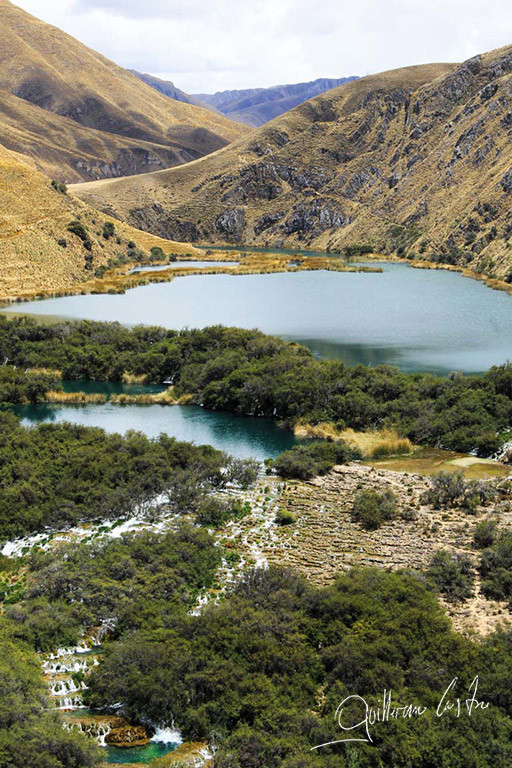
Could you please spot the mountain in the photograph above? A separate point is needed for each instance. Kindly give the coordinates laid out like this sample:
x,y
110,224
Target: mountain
x,y
167,88
256,106
80,116
416,161
37,251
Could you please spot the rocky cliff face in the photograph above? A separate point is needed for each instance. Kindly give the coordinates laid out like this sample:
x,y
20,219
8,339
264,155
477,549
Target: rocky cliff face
x,y
416,161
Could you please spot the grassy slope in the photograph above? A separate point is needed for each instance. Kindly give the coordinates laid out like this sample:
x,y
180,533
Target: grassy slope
x,y
415,155
33,217
50,72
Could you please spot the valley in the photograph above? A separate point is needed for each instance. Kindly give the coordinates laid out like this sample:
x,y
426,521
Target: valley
x,y
255,405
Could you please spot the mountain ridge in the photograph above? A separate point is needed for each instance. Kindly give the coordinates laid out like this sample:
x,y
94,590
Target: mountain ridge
x,y
415,161
52,85
257,106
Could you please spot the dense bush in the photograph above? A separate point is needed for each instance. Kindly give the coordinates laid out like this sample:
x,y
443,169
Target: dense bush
x,y
61,474
109,230
248,372
371,509
29,734
452,574
496,568
264,671
138,580
451,489
77,228
317,458
485,533
17,386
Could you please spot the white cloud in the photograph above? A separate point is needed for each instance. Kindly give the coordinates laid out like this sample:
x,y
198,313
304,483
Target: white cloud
x,y
207,45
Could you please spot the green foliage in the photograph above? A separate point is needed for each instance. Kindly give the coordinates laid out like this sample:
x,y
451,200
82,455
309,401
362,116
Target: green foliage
x,y
283,517
109,230
485,533
62,474
372,509
29,734
17,386
156,253
216,512
247,372
59,187
316,458
352,251
77,228
452,574
451,489
496,568
139,580
266,669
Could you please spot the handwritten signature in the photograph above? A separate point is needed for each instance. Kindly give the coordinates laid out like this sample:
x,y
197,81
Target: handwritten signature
x,y
387,710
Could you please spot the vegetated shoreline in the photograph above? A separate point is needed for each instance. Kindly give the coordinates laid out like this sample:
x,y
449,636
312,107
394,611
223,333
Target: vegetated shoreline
x,y
119,280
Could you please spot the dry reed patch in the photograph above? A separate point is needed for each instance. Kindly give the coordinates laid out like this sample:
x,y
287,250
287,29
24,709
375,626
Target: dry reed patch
x,y
372,445
73,398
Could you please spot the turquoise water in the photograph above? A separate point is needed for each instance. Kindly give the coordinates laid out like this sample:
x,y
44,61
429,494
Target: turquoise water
x,y
242,436
138,754
417,319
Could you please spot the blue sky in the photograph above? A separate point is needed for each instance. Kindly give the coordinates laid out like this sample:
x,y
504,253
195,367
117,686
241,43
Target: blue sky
x,y
209,45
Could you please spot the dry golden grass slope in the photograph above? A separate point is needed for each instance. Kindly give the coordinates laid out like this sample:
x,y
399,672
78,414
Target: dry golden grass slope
x,y
416,160
80,116
34,218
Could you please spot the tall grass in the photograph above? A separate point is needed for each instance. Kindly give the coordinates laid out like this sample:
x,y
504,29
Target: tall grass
x,y
75,397
375,444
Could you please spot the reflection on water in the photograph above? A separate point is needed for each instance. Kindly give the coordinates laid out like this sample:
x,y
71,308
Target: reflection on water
x,y
242,436
417,319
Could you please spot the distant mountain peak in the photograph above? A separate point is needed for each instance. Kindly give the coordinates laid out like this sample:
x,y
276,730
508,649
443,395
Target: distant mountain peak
x,y
252,106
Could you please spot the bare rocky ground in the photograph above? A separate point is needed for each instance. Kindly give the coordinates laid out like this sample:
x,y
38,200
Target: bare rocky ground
x,y
324,541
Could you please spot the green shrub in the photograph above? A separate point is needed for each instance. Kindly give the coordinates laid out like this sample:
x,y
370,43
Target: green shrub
x,y
446,488
108,230
59,187
496,568
305,461
484,534
371,509
77,228
452,574
283,517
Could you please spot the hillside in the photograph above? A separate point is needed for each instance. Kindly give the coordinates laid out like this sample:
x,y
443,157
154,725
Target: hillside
x,y
37,251
81,116
416,161
167,88
256,106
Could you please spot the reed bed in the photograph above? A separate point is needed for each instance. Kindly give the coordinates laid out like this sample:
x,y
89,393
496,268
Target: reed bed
x,y
74,398
375,444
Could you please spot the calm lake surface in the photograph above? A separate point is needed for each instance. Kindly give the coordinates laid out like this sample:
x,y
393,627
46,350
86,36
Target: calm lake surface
x,y
415,318
242,436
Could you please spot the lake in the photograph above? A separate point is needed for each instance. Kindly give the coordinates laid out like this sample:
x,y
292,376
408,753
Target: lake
x,y
416,319
242,436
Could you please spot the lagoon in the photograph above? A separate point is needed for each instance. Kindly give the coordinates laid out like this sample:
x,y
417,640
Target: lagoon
x,y
241,436
417,319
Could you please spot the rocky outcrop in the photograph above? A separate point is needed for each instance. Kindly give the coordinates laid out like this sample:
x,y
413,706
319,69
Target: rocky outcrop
x,y
309,220
127,736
